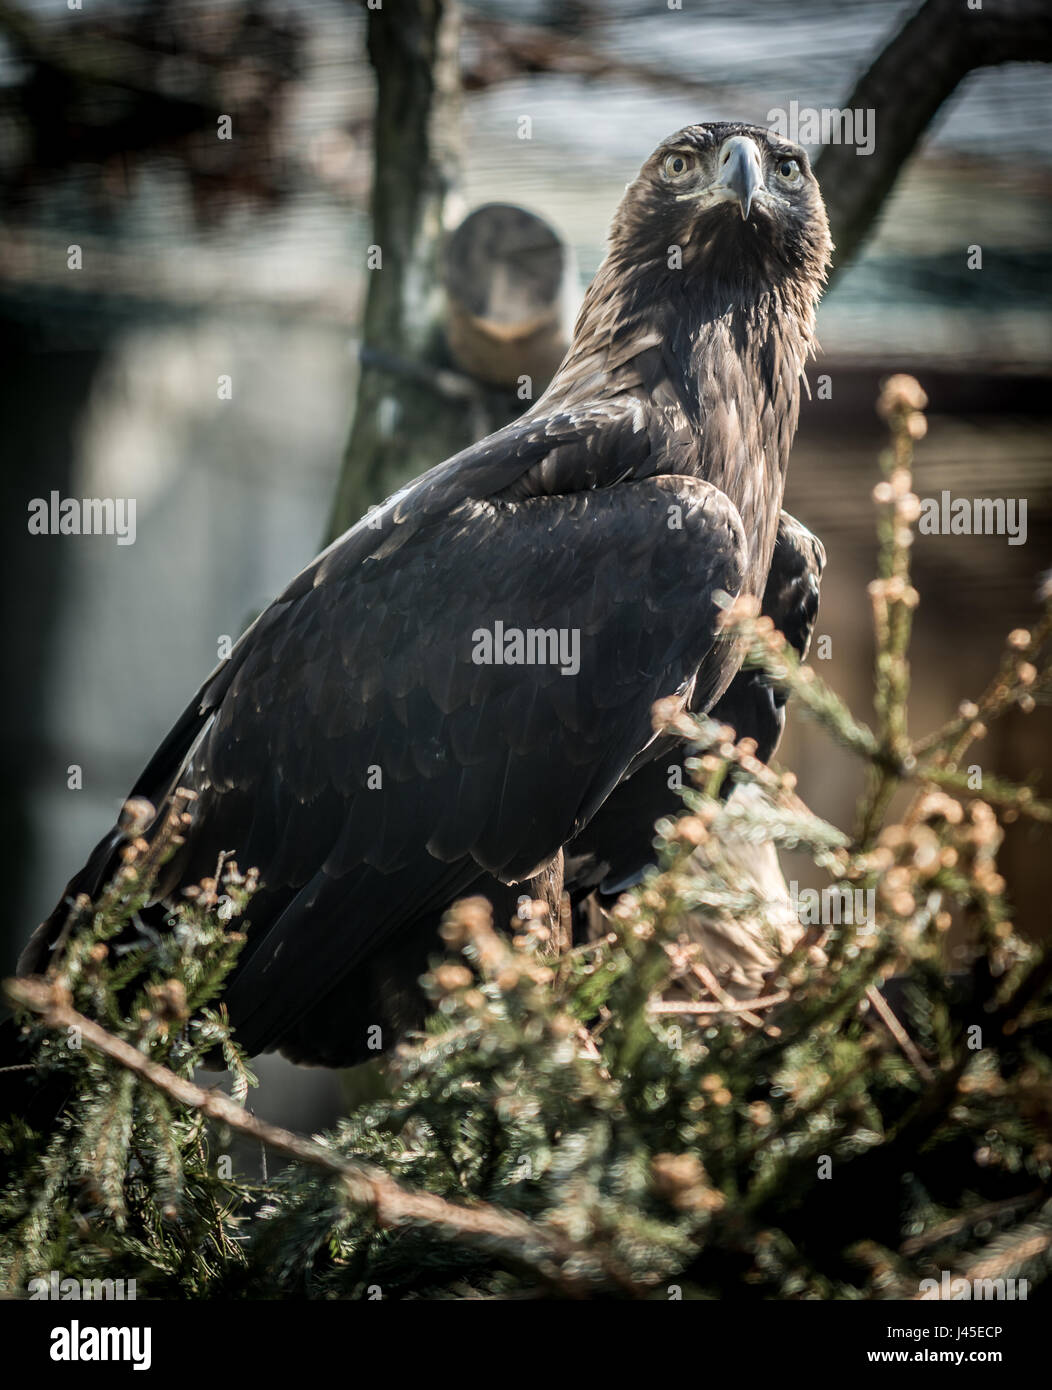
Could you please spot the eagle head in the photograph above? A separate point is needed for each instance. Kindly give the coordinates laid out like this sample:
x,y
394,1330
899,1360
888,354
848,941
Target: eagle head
x,y
733,203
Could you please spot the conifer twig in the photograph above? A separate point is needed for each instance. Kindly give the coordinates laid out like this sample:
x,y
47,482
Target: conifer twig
x,y
946,1230
1027,1244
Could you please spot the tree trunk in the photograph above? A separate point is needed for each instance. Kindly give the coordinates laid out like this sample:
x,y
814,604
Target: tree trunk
x,y
399,426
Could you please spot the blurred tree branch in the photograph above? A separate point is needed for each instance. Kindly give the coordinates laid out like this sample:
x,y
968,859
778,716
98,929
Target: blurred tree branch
x,y
99,91
905,85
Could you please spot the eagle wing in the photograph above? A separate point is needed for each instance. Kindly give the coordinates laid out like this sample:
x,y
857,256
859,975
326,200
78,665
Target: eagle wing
x,y
612,853
362,750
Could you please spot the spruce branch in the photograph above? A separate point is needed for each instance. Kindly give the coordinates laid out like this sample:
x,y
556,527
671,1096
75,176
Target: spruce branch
x,y
549,1255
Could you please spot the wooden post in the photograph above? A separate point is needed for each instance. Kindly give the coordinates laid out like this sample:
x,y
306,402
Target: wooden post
x,y
511,290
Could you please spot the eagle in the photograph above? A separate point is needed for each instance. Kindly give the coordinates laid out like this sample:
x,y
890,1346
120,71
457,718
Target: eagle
x,y
445,700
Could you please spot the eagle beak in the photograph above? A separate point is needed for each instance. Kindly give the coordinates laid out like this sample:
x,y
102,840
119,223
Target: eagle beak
x,y
740,172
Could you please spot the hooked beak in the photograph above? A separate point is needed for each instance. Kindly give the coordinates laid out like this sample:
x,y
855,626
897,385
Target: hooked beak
x,y
740,174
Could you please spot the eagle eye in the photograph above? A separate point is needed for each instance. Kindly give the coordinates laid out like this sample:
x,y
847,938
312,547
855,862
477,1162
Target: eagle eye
x,y
789,172
677,164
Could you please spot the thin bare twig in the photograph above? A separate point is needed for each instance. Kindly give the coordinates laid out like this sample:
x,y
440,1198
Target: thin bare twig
x,y
909,1048
705,1006
709,980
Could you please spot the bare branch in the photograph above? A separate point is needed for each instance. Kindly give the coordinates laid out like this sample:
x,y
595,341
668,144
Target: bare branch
x,y
906,84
